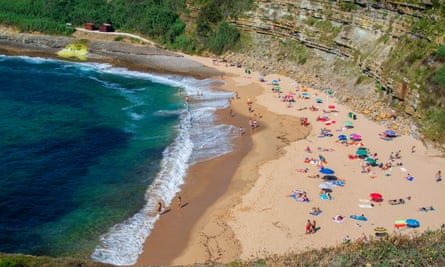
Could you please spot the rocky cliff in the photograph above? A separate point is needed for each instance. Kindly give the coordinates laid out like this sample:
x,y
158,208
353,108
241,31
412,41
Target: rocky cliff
x,y
365,50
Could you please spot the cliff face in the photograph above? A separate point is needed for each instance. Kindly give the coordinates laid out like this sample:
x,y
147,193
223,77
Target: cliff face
x,y
364,35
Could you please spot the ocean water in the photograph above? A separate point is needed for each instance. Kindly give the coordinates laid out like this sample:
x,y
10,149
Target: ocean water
x,y
88,150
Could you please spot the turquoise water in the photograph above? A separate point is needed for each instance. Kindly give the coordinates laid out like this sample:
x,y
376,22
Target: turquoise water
x,y
87,150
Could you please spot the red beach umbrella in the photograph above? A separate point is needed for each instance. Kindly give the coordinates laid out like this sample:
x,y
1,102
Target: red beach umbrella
x,y
376,197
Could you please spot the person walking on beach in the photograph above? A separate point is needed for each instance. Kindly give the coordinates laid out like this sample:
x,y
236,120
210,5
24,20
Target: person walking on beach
x,y
179,202
308,226
313,227
159,207
438,176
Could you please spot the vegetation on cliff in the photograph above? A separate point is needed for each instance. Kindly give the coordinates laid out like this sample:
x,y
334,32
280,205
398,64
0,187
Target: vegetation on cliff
x,y
162,21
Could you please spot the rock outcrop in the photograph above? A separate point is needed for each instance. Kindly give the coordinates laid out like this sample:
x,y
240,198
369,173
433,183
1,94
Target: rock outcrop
x,y
350,44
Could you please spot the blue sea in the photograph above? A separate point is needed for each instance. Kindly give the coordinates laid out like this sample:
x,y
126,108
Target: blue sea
x,y
87,151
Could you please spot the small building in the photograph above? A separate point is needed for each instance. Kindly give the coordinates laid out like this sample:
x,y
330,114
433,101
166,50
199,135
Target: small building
x,y
90,26
106,27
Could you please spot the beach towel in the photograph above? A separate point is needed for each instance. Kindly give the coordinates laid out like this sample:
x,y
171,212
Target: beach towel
x,y
324,197
400,224
359,218
338,219
366,206
424,209
336,183
315,213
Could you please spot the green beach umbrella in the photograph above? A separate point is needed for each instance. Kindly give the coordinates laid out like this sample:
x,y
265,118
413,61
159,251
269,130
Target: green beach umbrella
x,y
370,160
361,152
348,124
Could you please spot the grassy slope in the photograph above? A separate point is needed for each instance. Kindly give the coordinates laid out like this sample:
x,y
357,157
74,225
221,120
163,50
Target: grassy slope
x,y
426,249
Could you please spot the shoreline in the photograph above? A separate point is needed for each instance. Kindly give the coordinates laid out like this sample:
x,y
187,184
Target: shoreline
x,y
195,203
218,245
205,182
279,221
254,216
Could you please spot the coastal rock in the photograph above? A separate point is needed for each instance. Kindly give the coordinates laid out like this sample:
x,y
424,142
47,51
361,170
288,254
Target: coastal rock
x,y
139,57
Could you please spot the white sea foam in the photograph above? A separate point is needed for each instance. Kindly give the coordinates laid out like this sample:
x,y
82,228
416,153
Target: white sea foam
x,y
197,139
123,243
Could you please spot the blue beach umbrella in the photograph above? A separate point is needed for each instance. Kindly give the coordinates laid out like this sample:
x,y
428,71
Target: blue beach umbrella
x,y
412,223
274,81
326,171
342,137
390,133
319,100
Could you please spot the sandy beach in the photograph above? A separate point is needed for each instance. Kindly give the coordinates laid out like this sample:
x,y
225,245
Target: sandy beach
x,y
239,206
256,215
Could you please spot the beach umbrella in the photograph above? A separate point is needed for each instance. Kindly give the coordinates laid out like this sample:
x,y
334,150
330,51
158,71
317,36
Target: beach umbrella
x,y
361,152
326,171
413,223
305,95
274,81
342,137
331,107
390,133
319,100
348,124
371,160
356,137
377,197
380,231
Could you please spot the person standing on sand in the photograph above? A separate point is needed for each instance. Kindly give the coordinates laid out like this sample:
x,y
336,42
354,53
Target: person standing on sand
x,y
438,176
179,202
313,227
308,226
159,207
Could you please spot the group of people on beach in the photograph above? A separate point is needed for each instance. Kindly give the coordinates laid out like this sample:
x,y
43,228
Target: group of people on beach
x,y
311,227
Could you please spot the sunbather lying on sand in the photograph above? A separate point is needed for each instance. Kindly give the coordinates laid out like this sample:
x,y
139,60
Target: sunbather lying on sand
x,y
396,201
426,209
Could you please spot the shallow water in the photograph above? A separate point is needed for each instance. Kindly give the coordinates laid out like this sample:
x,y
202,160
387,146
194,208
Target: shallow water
x,y
88,150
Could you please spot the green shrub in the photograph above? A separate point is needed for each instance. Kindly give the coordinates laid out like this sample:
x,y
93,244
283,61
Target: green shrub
x,y
439,77
224,38
434,125
185,44
348,6
118,38
441,51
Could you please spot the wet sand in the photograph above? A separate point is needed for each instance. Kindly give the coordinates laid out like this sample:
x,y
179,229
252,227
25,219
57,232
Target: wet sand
x,y
232,201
